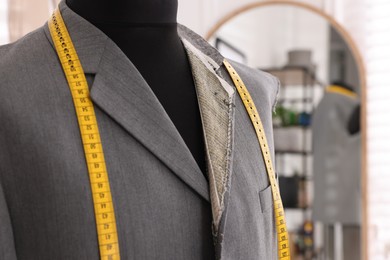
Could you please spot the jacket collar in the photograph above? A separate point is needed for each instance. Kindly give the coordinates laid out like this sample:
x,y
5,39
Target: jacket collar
x,y
121,92
90,41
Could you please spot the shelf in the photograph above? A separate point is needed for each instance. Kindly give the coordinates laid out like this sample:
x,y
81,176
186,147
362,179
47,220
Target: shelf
x,y
297,208
303,127
301,177
294,152
293,76
295,100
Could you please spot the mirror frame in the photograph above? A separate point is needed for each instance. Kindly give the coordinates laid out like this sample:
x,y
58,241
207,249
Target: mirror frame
x,y
363,89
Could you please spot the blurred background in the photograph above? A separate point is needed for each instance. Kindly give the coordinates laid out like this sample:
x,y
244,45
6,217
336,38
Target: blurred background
x,y
331,128
318,158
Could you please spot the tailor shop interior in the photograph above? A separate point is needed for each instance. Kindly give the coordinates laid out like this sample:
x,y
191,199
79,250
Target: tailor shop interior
x,y
316,122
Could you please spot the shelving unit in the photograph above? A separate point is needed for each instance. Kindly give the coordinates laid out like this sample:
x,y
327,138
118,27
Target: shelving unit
x,y
304,82
293,151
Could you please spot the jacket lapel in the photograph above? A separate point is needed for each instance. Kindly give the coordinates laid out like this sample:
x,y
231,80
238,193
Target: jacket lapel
x,y
120,91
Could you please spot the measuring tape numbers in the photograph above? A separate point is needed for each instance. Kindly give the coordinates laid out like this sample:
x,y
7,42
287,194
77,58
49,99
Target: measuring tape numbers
x,y
283,241
98,176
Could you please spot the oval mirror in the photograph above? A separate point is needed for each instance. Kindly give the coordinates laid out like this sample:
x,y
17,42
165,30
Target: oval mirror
x,y
316,123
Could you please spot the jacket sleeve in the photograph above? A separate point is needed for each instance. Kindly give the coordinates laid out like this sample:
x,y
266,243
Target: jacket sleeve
x,y
7,246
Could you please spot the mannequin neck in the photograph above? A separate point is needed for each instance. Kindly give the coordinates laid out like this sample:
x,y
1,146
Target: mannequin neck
x,y
126,12
151,22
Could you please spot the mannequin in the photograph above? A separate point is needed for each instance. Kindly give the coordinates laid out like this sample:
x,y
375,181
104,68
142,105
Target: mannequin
x,y
163,205
353,124
146,31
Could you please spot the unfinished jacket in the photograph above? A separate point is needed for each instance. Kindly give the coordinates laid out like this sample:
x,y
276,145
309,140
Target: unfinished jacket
x,y
161,198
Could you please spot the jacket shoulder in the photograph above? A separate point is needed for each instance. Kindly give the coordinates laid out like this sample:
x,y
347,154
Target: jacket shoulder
x,y
23,55
258,81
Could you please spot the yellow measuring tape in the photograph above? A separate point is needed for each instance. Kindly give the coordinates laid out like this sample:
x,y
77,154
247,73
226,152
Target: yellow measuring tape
x,y
342,91
101,193
283,244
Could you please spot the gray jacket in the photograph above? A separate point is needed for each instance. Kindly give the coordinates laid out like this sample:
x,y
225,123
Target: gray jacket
x,y
163,206
336,162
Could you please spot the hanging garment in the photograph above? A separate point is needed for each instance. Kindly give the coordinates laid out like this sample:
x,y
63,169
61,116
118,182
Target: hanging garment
x,y
336,169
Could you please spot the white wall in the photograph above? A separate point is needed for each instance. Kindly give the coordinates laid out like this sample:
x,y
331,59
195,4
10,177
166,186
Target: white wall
x,y
201,15
373,35
26,15
4,35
